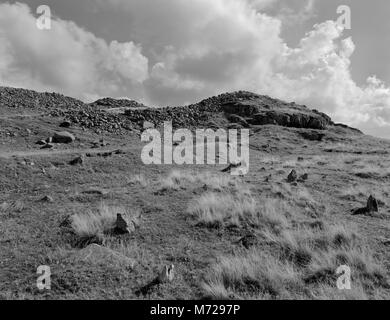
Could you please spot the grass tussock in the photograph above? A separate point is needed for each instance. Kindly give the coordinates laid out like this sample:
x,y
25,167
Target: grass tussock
x,y
292,260
98,223
252,275
177,180
222,209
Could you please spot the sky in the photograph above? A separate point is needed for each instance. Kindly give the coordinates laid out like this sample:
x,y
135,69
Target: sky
x,y
174,52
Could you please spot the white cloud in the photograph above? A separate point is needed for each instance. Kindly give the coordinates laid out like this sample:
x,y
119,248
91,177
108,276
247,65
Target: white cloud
x,y
66,58
194,49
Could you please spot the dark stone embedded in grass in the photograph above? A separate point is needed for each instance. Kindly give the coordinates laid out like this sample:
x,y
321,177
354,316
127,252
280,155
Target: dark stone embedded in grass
x,y
372,204
47,199
303,178
123,226
292,177
371,207
248,241
65,124
77,161
231,166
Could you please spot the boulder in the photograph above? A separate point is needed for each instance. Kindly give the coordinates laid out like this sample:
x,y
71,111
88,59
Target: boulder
x,y
63,137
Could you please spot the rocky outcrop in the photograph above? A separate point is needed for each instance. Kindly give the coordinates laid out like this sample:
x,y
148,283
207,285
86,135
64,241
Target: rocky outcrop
x,y
229,110
282,115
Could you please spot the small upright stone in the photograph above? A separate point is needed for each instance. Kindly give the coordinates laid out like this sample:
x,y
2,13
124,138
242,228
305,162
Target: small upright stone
x,y
292,177
77,161
372,204
122,226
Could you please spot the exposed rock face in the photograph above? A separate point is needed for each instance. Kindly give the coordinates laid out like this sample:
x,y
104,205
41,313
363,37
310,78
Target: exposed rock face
x,y
282,115
242,108
229,110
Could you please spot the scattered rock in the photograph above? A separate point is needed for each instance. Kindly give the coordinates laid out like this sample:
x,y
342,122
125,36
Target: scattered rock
x,y
232,166
77,161
41,142
125,225
292,177
371,207
47,199
63,137
65,124
303,178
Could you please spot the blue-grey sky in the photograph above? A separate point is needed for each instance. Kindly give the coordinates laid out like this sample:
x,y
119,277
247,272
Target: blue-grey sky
x,y
168,52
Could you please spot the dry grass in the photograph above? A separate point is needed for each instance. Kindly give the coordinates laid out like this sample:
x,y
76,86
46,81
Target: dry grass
x,y
252,275
292,260
177,180
139,179
300,264
216,209
97,223
226,209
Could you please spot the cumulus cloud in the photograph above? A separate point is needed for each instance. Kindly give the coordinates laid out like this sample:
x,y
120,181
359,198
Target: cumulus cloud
x,y
66,58
194,49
